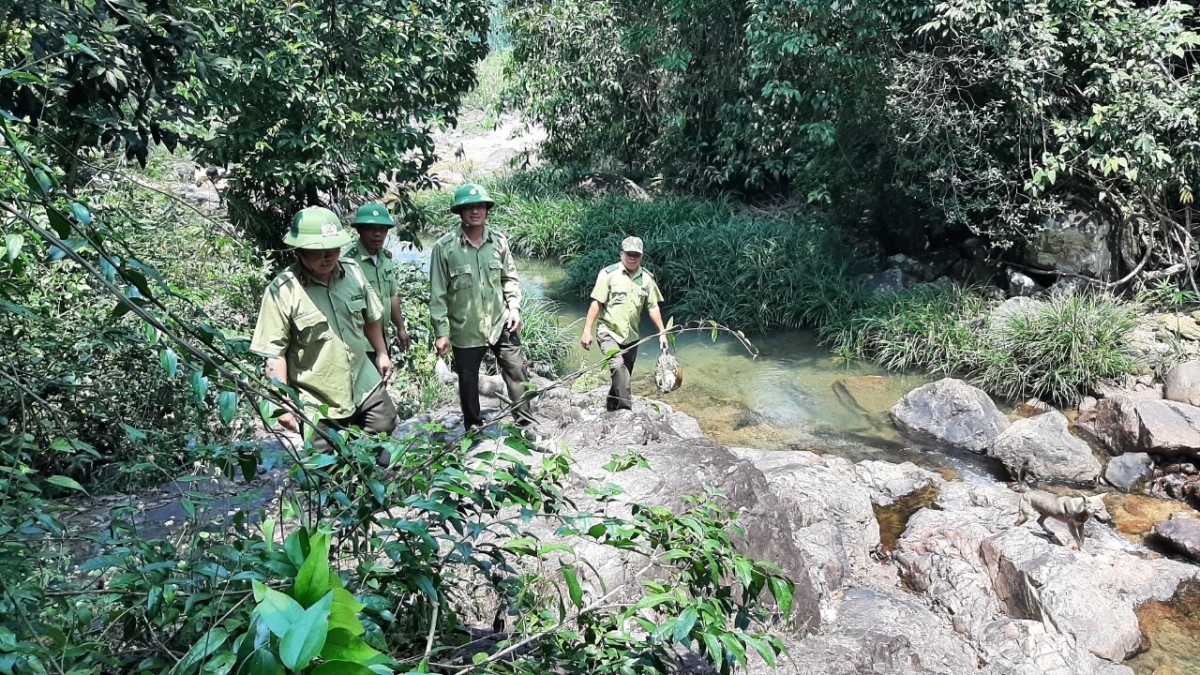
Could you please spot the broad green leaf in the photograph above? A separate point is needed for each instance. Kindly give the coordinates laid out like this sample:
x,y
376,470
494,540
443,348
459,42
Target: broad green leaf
x,y
344,645
261,662
170,362
782,589
312,581
213,640
227,405
13,244
69,483
199,385
306,637
573,588
684,624
277,610
344,614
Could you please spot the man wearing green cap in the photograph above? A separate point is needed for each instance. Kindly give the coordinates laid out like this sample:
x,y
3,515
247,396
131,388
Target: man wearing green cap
x,y
318,320
621,292
475,304
372,223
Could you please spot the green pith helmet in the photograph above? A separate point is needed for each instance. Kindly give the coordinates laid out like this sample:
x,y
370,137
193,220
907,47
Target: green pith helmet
x,y
317,228
470,193
372,213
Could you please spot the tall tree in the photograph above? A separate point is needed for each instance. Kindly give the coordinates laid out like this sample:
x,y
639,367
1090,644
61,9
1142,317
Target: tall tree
x,y
312,102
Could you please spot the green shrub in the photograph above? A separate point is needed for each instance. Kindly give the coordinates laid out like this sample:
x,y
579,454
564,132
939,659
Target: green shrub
x,y
1057,351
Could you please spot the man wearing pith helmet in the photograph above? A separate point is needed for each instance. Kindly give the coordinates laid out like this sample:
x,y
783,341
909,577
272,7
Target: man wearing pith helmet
x,y
621,292
475,303
372,222
318,320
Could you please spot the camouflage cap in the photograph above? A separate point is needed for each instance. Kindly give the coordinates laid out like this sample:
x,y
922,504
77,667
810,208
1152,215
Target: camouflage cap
x,y
631,245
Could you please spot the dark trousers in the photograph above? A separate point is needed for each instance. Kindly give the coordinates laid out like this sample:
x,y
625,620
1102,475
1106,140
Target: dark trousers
x,y
620,394
512,368
376,415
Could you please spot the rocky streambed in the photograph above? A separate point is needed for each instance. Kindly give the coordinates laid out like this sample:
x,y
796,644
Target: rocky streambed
x,y
902,570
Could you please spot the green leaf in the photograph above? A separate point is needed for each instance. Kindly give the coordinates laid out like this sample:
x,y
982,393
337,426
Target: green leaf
x,y
170,361
346,646
277,610
306,637
344,614
684,624
261,662
199,385
213,640
64,482
312,581
227,405
13,244
782,589
573,588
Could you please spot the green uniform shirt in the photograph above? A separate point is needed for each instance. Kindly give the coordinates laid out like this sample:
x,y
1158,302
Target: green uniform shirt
x,y
383,276
470,288
318,330
622,298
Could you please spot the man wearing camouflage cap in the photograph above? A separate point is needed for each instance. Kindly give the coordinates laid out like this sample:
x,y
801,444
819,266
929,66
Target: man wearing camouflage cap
x,y
475,304
317,321
372,222
621,292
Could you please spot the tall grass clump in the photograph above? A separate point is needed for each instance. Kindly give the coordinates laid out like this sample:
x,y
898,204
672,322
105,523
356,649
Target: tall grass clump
x,y
1057,350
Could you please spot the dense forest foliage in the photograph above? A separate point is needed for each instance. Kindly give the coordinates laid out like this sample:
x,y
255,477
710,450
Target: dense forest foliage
x,y
925,121
883,127
126,309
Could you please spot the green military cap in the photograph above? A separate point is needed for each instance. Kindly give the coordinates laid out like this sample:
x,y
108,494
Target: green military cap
x,y
470,194
317,228
372,213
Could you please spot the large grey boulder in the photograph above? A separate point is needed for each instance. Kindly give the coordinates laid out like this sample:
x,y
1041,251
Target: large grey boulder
x,y
1162,428
1045,448
1182,383
1182,533
1075,243
952,412
1125,472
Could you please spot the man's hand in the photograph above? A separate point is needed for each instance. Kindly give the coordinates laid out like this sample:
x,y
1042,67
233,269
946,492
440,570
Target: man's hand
x,y
288,421
512,321
663,341
585,340
402,339
384,365
442,345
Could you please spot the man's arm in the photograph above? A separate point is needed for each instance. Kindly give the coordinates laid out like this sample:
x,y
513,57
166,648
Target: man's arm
x,y
398,319
656,317
439,300
277,371
511,287
271,339
585,340
374,333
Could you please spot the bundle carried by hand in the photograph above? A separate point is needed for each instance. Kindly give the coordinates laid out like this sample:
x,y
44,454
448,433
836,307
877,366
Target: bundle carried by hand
x,y
668,374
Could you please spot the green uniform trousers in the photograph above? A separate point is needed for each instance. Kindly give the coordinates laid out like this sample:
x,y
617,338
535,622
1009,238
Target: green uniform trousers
x,y
620,394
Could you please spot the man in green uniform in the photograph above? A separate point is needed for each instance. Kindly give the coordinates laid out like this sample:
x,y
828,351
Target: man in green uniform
x,y
475,304
318,320
622,290
372,223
